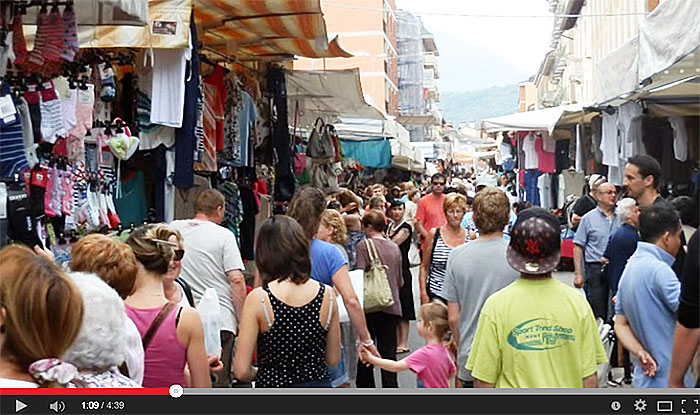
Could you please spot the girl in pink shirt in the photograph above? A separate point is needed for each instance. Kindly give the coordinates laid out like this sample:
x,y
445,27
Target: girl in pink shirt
x,y
433,363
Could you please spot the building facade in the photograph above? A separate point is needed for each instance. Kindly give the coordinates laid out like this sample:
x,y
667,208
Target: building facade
x,y
567,74
367,29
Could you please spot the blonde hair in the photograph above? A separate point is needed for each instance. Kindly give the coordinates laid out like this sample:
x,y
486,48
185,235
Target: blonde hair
x,y
111,260
454,200
435,314
152,248
331,218
44,309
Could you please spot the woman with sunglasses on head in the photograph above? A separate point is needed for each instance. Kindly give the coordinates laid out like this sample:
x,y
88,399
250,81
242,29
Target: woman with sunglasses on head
x,y
172,335
176,289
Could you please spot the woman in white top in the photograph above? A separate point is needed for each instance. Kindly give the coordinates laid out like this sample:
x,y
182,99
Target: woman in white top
x,y
41,311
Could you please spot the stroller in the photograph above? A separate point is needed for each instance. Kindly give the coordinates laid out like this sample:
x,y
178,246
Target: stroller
x,y
607,337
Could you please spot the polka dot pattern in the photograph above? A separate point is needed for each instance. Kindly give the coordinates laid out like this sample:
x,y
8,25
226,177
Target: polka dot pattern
x,y
293,350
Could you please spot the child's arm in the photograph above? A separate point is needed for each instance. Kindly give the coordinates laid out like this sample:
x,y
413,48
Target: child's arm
x,y
385,364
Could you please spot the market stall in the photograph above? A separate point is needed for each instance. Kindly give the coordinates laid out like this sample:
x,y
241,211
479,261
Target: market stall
x,y
139,118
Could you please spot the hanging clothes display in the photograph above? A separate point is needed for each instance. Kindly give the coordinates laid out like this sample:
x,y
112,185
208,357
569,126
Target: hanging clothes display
x,y
629,123
680,138
285,184
531,159
186,137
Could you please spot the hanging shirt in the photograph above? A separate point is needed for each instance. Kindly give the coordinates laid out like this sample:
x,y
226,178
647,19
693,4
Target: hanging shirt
x,y
629,122
545,148
609,140
680,138
247,118
531,159
216,80
232,145
168,87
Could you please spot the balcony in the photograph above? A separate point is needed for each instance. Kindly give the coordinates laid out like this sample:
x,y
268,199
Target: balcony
x,y
429,60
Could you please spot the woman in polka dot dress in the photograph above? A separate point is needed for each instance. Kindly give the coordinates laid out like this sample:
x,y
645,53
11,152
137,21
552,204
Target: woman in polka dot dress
x,y
292,319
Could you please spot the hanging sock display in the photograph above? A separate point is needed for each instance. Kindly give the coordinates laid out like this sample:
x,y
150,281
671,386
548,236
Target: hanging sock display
x,y
19,44
53,45
70,34
35,57
51,115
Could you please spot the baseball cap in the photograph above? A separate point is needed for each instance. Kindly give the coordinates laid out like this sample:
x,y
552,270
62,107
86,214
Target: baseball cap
x,y
535,244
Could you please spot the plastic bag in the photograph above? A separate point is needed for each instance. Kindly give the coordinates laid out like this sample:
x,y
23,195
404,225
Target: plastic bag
x,y
357,279
210,314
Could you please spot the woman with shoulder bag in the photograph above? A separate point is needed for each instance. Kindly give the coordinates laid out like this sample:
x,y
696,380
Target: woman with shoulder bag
x,y
438,246
172,335
382,323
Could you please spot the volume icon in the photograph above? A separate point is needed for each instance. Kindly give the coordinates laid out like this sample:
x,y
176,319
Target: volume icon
x,y
57,406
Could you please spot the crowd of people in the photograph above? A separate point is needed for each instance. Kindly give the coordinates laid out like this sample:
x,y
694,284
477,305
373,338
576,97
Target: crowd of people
x,y
490,312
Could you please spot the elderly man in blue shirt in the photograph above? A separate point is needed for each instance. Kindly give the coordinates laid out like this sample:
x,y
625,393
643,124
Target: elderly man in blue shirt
x,y
590,242
648,296
622,243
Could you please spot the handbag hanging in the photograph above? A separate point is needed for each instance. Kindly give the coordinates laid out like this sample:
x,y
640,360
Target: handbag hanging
x,y
377,291
320,142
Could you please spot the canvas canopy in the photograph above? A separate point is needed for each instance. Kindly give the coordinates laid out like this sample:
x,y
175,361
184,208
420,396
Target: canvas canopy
x,y
337,93
661,45
657,63
547,119
250,30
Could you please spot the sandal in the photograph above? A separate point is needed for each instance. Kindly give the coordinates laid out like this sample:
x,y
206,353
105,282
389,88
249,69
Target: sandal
x,y
402,350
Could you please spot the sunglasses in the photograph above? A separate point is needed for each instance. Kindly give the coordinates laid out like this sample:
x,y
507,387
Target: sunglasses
x,y
179,253
438,183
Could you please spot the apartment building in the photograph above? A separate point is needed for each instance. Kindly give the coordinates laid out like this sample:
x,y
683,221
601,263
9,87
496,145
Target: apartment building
x,y
367,29
568,72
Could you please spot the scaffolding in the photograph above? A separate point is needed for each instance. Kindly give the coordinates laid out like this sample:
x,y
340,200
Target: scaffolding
x,y
410,65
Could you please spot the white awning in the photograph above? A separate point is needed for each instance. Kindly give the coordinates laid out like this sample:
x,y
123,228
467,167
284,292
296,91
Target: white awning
x,y
662,43
322,93
662,56
546,119
616,74
406,157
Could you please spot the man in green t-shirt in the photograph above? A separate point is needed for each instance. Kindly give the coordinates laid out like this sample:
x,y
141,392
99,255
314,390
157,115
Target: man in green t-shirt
x,y
537,332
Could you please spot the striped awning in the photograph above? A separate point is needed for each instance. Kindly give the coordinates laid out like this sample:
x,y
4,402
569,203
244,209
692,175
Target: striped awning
x,y
247,29
266,29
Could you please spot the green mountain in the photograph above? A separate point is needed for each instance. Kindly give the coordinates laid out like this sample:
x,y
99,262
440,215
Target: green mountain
x,y
468,106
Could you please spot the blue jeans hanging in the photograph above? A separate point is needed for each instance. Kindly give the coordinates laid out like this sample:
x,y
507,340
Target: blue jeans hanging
x,y
532,193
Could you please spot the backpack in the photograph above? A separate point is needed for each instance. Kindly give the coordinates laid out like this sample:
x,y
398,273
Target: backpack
x,y
568,208
377,291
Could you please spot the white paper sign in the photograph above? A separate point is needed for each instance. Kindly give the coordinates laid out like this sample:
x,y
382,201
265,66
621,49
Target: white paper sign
x,y
357,279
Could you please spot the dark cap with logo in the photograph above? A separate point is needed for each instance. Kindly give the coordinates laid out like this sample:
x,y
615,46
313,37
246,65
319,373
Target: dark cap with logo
x,y
535,242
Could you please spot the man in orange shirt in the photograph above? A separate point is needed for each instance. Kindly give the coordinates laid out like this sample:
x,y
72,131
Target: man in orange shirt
x,y
430,213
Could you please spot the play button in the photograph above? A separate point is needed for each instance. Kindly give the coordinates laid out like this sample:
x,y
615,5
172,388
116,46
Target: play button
x,y
19,405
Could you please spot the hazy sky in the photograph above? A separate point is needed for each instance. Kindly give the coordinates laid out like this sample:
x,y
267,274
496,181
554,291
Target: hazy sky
x,y
521,41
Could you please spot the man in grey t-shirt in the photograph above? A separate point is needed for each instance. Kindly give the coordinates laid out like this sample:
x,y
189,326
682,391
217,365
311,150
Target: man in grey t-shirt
x,y
475,271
